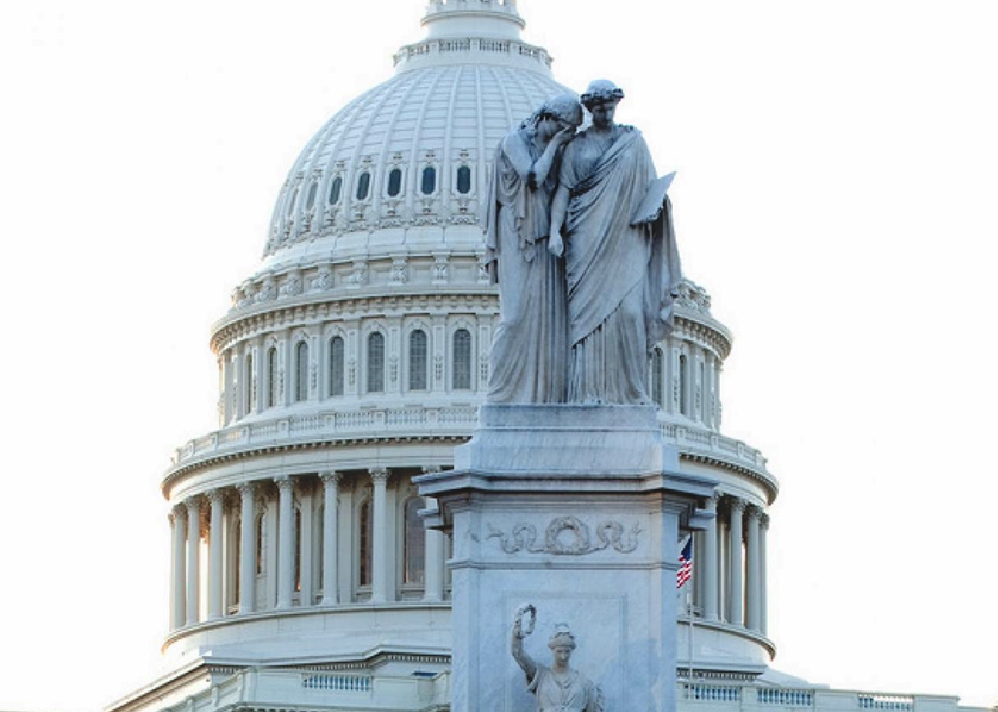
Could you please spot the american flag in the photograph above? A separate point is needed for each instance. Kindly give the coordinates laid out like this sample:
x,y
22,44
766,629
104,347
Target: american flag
x,y
685,563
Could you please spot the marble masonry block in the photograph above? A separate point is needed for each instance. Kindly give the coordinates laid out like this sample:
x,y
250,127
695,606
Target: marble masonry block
x,y
569,439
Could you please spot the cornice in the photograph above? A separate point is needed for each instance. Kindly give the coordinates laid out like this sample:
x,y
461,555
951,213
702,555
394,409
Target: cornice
x,y
342,305
449,424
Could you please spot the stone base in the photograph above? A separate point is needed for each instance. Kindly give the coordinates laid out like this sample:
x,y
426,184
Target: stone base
x,y
567,439
577,511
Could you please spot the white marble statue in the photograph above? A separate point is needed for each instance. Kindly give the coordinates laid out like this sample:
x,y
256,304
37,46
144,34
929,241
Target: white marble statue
x,y
621,263
558,688
530,349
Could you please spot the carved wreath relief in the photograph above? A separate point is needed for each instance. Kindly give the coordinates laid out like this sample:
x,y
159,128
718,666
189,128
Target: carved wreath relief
x,y
567,536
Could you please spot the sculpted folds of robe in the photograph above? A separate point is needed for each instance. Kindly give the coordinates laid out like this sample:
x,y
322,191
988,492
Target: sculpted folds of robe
x,y
621,278
530,346
571,693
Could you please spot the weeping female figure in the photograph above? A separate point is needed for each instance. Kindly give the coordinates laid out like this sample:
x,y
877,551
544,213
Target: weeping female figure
x,y
530,349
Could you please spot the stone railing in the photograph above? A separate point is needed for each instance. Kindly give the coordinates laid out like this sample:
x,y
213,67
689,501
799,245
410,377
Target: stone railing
x,y
259,688
739,696
472,45
427,421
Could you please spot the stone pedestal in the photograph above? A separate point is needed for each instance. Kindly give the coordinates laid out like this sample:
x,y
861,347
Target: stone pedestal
x,y
576,510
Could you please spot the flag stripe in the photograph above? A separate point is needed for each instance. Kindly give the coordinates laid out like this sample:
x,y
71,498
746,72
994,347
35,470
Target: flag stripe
x,y
685,572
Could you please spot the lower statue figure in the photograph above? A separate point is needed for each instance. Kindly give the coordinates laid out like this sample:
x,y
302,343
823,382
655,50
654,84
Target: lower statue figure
x,y
558,688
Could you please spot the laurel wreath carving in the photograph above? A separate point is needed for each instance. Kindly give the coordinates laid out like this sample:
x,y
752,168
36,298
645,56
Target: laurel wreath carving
x,y
580,541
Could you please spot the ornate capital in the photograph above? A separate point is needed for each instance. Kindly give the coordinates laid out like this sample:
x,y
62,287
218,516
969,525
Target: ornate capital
x,y
193,504
431,469
765,521
246,488
178,511
379,474
736,504
285,483
217,497
753,512
331,478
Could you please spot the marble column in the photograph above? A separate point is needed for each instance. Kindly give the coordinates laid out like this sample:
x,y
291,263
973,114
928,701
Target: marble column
x,y
736,596
306,592
247,547
433,589
330,540
380,563
178,575
753,570
764,583
193,558
286,541
217,499
710,564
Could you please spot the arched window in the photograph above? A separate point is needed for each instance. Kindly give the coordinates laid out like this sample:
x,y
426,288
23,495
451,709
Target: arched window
x,y
248,383
657,366
464,180
414,544
429,183
312,190
376,363
462,360
363,185
334,190
417,360
301,376
291,203
395,182
684,385
336,364
366,557
271,377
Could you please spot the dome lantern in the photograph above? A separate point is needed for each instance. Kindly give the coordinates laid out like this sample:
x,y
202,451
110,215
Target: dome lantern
x,y
495,19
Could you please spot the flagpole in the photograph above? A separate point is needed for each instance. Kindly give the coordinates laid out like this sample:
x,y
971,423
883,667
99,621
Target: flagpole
x,y
689,612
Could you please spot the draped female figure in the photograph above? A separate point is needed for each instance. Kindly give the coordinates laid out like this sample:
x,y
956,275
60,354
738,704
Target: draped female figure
x,y
622,276
529,351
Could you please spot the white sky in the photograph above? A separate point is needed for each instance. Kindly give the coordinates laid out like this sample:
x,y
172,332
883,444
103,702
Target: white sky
x,y
836,194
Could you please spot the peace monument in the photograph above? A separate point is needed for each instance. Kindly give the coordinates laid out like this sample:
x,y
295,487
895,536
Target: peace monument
x,y
469,414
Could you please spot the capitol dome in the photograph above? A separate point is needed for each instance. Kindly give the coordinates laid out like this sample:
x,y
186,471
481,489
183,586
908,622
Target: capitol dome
x,y
355,358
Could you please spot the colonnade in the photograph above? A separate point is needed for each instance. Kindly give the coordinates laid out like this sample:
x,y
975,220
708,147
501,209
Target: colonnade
x,y
729,582
305,530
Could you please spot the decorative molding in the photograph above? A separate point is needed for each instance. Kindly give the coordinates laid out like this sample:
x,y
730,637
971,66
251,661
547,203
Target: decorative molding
x,y
580,543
